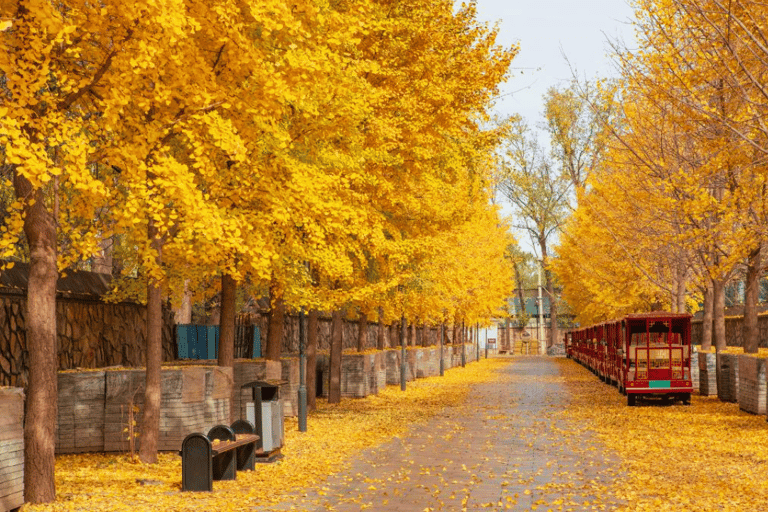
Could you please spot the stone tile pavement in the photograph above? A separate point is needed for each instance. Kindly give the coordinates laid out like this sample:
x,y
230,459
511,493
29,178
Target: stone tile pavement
x,y
506,448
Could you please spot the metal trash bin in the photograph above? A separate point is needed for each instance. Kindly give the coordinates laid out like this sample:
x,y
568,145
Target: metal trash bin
x,y
265,412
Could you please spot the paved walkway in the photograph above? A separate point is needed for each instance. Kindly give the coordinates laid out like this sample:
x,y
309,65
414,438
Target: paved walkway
x,y
507,448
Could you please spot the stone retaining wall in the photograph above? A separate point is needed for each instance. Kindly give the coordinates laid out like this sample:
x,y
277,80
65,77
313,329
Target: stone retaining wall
x,y
90,334
11,448
752,384
733,330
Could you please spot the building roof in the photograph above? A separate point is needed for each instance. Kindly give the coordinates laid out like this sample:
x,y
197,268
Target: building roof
x,y
74,284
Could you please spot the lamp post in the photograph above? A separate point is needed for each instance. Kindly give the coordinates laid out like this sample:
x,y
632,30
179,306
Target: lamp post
x,y
302,374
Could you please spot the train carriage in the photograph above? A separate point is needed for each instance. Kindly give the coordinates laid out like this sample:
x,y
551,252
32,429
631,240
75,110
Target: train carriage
x,y
644,355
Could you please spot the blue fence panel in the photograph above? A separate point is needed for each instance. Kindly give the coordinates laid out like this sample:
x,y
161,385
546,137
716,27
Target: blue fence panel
x,y
256,342
202,341
181,341
194,353
213,341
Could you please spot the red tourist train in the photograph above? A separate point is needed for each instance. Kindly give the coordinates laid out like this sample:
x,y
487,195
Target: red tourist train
x,y
644,355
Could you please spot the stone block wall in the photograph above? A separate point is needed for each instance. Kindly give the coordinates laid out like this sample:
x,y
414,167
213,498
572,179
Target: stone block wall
x,y
733,331
752,384
11,448
90,334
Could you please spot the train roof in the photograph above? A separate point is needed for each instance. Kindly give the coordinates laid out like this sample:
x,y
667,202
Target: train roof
x,y
639,316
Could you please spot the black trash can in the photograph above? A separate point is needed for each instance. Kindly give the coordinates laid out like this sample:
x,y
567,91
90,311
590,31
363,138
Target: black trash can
x,y
265,412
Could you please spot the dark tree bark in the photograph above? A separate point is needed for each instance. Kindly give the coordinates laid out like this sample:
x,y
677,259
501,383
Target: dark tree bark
x,y
751,330
334,386
276,319
719,314
362,332
392,335
706,325
42,390
312,330
150,417
411,335
227,333
227,323
381,331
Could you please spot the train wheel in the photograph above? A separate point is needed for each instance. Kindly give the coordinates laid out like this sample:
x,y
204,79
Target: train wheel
x,y
631,399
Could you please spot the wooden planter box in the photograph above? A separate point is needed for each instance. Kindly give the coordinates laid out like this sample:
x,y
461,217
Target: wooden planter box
x,y
707,374
11,448
193,399
727,377
95,407
695,367
289,391
361,374
752,384
81,412
250,370
379,373
430,366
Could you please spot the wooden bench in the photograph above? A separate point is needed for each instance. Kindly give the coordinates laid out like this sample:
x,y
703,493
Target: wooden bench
x,y
217,456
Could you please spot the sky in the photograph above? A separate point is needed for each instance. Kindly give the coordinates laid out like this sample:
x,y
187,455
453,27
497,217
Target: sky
x,y
547,29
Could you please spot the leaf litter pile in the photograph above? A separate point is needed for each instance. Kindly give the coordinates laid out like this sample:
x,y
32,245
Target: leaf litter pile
x,y
335,433
709,456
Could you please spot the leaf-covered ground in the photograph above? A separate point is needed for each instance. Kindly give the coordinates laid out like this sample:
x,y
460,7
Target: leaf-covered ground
x,y
596,454
706,457
336,432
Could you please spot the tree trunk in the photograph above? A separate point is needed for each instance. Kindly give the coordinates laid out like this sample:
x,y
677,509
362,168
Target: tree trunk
x,y
312,324
362,332
751,330
706,324
381,331
227,325
183,315
411,335
522,316
227,334
392,335
719,314
42,393
334,386
276,319
150,417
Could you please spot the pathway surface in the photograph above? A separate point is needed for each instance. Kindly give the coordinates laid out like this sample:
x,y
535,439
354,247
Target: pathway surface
x,y
506,448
